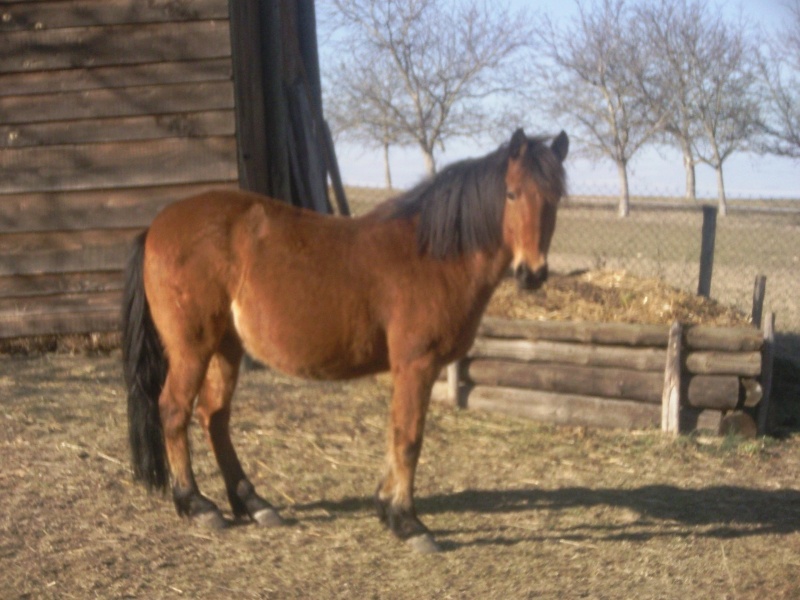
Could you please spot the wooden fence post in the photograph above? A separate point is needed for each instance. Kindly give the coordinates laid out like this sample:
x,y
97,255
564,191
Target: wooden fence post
x,y
707,250
767,355
759,289
671,395
454,384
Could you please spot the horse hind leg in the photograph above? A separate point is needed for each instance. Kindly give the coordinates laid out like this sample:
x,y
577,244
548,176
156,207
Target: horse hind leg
x,y
214,411
181,386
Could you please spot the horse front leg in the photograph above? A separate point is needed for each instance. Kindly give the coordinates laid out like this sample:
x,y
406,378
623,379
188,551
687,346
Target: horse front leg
x,y
395,496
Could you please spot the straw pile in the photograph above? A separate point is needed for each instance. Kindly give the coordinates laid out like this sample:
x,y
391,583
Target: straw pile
x,y
610,296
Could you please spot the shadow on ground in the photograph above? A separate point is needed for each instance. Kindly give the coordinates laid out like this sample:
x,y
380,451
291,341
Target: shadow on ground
x,y
723,512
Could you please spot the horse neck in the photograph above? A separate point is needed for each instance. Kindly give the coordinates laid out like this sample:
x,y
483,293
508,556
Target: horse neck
x,y
487,269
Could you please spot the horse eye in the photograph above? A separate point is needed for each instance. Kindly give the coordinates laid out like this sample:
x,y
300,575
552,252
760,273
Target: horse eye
x,y
511,196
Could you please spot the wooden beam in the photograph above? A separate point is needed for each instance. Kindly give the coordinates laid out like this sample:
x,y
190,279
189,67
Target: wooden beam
x,y
670,399
617,383
641,359
560,409
572,331
721,392
722,363
724,339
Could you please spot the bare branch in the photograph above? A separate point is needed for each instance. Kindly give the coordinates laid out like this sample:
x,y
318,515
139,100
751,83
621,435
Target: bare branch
x,y
435,69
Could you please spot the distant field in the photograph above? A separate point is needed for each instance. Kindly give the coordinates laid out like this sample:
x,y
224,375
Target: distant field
x,y
660,240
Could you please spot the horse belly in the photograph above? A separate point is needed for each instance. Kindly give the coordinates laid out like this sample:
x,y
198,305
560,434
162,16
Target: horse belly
x,y
308,342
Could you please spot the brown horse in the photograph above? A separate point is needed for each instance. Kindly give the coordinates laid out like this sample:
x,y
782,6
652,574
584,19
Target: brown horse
x,y
401,289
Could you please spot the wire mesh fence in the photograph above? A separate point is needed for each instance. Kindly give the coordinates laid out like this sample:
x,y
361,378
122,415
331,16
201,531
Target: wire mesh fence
x,y
662,239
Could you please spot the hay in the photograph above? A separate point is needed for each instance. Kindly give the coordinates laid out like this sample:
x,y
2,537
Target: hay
x,y
610,296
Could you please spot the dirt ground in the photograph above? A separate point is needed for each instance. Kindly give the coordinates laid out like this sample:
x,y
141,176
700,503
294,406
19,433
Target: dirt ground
x,y
522,510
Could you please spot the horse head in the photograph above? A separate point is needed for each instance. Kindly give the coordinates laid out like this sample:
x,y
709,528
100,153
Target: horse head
x,y
535,181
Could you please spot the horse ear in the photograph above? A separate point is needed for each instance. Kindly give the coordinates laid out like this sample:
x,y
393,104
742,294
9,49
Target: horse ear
x,y
560,146
518,141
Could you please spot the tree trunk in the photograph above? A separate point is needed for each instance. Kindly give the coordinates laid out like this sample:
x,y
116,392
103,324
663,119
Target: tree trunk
x,y
723,203
688,165
387,171
624,199
430,162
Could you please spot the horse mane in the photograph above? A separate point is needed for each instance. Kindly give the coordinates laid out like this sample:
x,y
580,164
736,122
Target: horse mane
x,y
461,208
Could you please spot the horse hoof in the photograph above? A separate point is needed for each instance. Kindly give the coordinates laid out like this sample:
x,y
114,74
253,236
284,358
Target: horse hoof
x,y
267,517
211,519
424,544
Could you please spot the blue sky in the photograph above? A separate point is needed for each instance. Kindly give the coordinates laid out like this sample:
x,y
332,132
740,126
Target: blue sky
x,y
652,171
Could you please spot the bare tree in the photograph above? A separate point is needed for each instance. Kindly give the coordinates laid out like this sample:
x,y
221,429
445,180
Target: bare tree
x,y
728,106
361,108
675,30
705,78
594,70
780,70
436,70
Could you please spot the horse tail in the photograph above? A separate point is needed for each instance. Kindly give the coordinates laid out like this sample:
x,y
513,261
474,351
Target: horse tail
x,y
145,369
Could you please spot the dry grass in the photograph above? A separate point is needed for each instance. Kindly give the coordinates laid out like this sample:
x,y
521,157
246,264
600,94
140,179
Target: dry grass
x,y
522,510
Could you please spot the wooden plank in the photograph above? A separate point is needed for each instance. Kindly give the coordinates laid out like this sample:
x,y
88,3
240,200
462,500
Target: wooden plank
x,y
671,395
59,252
562,409
81,13
199,124
111,165
640,359
65,303
572,331
721,363
616,383
25,286
727,339
116,102
71,80
90,318
113,45
92,209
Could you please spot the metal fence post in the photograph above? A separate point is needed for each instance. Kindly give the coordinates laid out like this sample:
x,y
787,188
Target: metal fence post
x,y
707,250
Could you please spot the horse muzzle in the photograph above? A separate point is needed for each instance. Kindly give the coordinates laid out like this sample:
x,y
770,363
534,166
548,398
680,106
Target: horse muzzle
x,y
528,279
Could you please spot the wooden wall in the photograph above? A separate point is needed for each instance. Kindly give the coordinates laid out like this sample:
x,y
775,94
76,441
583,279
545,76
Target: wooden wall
x,y
611,374
109,109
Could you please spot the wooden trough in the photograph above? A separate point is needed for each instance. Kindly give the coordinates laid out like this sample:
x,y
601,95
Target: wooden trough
x,y
612,375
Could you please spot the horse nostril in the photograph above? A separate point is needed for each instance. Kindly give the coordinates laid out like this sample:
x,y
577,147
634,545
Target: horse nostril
x,y
530,280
